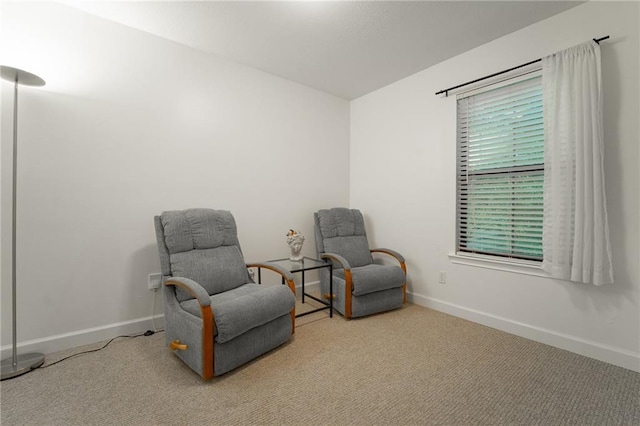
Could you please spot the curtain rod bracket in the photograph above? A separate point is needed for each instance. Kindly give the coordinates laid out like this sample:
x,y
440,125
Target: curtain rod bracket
x,y
598,40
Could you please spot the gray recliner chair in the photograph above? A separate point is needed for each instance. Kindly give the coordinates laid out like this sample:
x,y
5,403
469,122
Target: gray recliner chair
x,y
216,317
360,286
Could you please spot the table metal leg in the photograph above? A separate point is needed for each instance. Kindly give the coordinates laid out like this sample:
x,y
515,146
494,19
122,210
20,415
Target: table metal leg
x,y
330,291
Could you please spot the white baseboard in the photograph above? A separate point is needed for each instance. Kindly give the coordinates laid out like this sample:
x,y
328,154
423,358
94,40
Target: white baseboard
x,y
609,354
308,287
605,353
87,336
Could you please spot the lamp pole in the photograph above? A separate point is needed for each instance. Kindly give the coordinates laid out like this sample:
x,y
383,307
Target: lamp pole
x,y
17,364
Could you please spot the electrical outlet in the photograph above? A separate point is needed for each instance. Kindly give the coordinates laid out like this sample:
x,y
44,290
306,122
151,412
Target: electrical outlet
x,y
155,280
443,277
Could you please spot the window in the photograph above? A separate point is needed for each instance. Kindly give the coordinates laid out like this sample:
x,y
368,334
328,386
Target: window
x,y
500,171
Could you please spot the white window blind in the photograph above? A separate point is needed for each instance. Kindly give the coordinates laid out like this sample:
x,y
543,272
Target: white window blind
x,y
500,171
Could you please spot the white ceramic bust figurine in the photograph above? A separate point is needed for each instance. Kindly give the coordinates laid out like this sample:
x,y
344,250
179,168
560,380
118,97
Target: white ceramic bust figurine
x,y
295,241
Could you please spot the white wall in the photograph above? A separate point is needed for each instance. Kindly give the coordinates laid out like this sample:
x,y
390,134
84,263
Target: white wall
x,y
403,177
130,125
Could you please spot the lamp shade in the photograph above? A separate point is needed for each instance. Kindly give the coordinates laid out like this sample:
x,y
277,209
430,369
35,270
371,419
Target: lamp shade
x,y
23,78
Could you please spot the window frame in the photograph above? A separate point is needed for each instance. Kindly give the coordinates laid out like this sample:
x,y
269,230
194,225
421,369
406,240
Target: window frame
x,y
494,260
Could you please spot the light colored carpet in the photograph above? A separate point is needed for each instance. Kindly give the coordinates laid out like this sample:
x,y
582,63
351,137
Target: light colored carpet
x,y
410,366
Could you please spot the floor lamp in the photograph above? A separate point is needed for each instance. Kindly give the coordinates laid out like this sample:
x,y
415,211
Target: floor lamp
x,y
17,364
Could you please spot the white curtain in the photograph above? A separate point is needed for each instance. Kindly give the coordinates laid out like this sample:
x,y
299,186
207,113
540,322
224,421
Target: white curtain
x,y
575,232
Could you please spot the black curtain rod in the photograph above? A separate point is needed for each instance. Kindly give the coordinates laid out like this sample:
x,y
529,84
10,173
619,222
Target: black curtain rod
x,y
446,91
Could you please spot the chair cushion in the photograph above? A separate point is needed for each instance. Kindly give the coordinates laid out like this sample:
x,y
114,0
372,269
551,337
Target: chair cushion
x,y
202,245
194,229
193,307
217,270
371,278
340,222
355,249
239,310
343,233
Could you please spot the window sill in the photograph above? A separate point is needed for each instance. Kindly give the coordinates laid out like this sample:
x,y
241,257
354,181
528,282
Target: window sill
x,y
515,266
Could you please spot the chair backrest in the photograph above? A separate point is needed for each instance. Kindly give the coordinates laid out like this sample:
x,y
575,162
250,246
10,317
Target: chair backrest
x,y
202,245
341,231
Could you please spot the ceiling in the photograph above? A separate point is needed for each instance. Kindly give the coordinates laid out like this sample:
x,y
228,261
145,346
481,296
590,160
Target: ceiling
x,y
346,48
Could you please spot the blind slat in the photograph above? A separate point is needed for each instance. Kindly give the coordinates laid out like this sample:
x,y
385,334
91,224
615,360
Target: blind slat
x,y
500,171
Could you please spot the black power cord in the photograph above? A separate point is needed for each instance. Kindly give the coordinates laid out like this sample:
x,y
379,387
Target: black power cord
x,y
146,333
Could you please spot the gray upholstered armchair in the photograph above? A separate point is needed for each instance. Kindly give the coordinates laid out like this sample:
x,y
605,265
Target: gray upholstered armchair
x,y
361,287
216,317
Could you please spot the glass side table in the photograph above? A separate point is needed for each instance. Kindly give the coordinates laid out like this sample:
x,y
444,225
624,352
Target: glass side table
x,y
303,265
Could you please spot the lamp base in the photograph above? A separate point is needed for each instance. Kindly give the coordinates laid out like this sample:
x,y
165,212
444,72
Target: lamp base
x,y
24,364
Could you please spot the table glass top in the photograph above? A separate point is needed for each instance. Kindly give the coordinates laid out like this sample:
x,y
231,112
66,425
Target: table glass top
x,y
305,264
